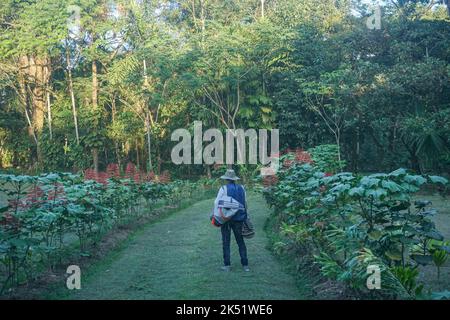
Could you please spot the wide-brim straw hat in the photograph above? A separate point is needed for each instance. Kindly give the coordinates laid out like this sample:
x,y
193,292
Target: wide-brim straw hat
x,y
230,175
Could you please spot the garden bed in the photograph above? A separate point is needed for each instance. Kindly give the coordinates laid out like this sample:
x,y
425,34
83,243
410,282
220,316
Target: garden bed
x,y
342,225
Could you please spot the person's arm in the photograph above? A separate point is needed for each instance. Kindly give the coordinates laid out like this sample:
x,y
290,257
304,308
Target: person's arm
x,y
220,194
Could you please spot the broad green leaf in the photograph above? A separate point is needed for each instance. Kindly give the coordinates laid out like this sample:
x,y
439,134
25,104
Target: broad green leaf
x,y
376,193
358,191
415,179
398,172
369,182
391,186
438,179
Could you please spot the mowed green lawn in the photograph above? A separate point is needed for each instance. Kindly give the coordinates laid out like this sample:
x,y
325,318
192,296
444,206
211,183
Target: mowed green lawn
x,y
180,256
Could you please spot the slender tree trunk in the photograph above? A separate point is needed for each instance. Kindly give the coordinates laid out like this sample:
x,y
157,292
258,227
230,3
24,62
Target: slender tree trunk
x,y
49,115
94,84
138,163
149,142
159,161
95,159
358,148
72,96
203,18
144,64
113,117
49,103
337,135
262,8
119,162
95,109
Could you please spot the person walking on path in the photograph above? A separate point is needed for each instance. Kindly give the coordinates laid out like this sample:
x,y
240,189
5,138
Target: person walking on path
x,y
237,192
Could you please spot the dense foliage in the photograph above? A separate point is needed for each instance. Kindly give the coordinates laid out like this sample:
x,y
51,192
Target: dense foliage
x,y
91,86
85,83
345,222
47,216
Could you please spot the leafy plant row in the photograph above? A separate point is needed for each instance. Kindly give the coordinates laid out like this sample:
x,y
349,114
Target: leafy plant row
x,y
48,215
344,223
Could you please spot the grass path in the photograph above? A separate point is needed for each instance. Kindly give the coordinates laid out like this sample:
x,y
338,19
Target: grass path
x,y
179,258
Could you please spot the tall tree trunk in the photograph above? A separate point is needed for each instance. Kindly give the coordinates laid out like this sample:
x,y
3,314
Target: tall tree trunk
x,y
138,162
358,148
203,18
262,8
337,135
72,96
36,68
116,146
34,76
49,103
144,63
113,118
149,142
23,97
94,85
95,109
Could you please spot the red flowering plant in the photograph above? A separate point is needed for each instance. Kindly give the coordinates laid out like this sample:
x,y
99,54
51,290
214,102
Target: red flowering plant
x,y
288,158
164,177
113,170
130,171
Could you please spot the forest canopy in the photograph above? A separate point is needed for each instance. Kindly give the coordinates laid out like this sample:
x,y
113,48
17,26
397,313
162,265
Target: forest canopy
x,y
85,83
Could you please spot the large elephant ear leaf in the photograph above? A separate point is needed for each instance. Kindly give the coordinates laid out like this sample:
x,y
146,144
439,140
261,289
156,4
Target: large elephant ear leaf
x,y
438,179
415,180
377,193
398,172
391,186
356,192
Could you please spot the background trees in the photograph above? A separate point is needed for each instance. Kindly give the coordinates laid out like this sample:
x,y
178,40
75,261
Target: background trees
x,y
112,85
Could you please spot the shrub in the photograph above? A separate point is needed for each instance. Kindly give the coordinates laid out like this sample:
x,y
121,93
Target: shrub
x,y
326,158
337,217
42,210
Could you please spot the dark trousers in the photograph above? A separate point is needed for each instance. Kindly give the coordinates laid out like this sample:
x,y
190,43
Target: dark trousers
x,y
236,226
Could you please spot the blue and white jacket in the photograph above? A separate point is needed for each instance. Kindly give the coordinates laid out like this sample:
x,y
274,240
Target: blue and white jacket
x,y
232,196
